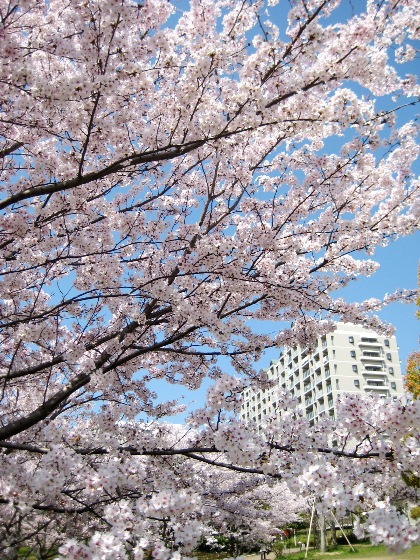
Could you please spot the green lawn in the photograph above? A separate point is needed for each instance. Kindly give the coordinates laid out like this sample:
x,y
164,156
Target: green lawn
x,y
363,551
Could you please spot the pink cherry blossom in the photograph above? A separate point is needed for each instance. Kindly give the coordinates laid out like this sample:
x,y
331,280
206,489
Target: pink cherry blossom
x,y
167,184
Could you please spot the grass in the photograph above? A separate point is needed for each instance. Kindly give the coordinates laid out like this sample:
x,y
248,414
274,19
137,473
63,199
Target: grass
x,y
209,555
363,552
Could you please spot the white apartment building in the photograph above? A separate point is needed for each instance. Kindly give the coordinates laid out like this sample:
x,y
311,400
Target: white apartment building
x,y
352,359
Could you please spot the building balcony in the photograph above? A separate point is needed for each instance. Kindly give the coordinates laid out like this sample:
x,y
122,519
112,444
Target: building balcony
x,y
380,391
375,361
379,371
380,388
376,381
369,341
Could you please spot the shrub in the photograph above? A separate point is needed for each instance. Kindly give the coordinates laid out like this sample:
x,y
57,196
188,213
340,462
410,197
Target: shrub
x,y
415,512
278,549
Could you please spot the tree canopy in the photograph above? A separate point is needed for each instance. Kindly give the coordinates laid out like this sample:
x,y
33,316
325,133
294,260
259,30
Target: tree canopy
x,y
170,178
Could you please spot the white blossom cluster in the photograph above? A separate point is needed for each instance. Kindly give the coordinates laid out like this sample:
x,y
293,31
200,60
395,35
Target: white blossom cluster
x,y
170,181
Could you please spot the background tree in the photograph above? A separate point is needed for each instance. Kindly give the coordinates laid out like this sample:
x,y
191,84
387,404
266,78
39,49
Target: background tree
x,y
412,376
165,186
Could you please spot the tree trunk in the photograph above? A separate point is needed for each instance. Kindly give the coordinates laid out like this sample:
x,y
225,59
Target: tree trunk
x,y
316,531
333,534
322,531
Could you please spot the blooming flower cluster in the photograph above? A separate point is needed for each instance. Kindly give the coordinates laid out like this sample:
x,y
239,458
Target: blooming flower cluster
x,y
386,526
165,187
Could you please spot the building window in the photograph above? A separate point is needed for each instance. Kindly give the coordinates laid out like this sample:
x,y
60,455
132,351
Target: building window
x,y
357,383
354,368
393,385
389,357
386,342
333,353
351,339
337,384
353,353
391,370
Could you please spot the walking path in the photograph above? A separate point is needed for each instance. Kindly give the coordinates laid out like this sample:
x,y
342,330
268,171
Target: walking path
x,y
271,555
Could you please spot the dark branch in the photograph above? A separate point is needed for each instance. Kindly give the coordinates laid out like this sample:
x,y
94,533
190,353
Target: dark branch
x,y
7,151
192,452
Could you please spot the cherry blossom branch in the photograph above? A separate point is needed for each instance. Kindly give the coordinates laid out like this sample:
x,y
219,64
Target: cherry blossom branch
x,y
193,451
9,150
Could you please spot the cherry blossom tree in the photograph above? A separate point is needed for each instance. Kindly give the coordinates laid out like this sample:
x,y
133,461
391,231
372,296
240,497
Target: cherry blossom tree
x,y
121,497
246,511
167,184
